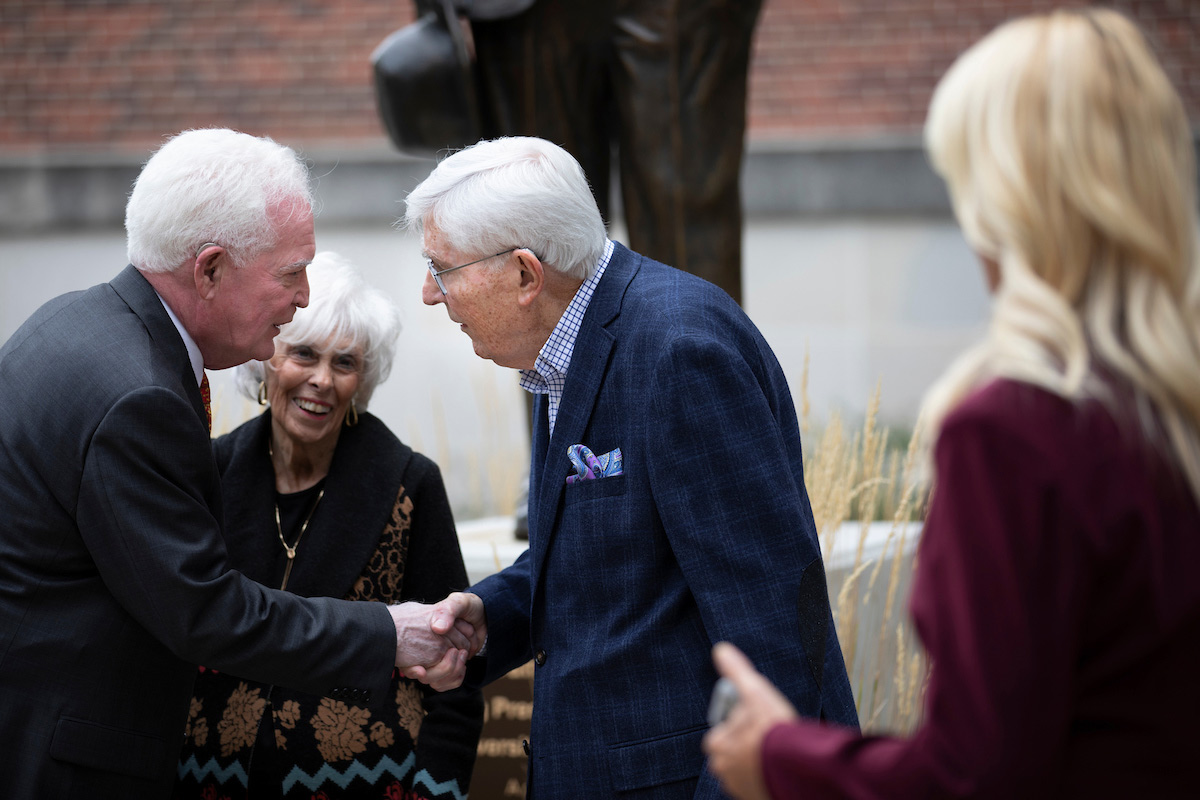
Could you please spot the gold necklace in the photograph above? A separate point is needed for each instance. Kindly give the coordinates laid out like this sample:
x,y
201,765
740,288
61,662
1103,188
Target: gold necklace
x,y
291,551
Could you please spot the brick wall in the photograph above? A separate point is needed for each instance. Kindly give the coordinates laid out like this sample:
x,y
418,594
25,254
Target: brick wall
x,y
869,66
119,75
113,77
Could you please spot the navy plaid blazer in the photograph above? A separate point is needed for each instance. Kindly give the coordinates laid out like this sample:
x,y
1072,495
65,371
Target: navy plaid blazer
x,y
707,536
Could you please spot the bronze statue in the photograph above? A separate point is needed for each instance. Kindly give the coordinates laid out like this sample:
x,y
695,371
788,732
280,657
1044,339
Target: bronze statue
x,y
660,84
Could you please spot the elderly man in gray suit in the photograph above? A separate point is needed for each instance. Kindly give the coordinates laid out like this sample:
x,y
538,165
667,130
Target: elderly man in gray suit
x,y
113,578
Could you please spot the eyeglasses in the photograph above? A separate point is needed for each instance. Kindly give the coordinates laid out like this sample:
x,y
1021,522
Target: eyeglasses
x,y
438,273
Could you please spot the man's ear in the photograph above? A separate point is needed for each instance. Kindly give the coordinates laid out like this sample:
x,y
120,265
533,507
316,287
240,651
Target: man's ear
x,y
532,276
210,266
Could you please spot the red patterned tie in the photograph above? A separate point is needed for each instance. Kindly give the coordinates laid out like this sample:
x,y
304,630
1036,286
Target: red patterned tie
x,y
206,396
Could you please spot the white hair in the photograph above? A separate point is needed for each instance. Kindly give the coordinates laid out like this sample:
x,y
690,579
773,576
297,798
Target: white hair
x,y
1070,163
212,185
341,306
513,192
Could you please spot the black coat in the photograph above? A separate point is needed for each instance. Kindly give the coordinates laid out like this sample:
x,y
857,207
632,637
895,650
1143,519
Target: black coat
x,y
381,531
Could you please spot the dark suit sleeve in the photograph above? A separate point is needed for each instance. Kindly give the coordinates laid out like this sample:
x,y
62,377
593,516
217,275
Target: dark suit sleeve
x,y
722,476
998,603
145,511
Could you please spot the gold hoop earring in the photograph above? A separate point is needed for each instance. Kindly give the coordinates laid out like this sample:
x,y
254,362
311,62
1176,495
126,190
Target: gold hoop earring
x,y
262,393
352,416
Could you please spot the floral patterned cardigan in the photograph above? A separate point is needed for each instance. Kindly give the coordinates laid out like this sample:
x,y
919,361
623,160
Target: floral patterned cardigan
x,y
381,531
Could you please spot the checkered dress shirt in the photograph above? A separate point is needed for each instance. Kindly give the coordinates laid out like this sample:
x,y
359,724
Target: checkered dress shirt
x,y
549,373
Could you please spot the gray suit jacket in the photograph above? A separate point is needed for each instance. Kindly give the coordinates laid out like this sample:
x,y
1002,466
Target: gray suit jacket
x,y
113,576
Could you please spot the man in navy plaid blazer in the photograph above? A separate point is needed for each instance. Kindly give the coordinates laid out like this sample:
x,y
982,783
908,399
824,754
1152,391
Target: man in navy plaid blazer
x,y
667,507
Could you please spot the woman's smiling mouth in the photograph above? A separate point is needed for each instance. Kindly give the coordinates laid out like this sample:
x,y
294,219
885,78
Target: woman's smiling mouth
x,y
312,406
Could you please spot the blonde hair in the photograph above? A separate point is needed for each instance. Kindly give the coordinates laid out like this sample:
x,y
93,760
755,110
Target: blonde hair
x,y
1069,161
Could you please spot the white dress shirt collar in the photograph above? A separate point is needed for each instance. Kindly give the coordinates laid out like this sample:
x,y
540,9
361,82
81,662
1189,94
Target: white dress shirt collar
x,y
193,351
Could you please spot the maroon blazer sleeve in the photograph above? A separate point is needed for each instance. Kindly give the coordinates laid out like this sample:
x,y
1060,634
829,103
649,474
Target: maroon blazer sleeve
x,y
1000,663
1045,541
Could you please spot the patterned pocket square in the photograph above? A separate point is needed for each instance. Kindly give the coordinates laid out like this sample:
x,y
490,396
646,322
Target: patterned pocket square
x,y
589,466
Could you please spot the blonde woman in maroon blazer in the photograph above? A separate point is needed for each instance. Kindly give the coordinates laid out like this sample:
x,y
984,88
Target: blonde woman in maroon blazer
x,y
1056,591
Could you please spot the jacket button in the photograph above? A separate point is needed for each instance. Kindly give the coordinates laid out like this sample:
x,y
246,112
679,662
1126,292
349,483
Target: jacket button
x,y
525,747
539,657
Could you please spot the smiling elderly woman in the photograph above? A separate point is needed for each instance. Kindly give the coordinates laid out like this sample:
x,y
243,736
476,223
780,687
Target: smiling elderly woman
x,y
322,499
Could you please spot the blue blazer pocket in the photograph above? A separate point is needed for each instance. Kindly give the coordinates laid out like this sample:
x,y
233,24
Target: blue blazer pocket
x,y
653,762
596,489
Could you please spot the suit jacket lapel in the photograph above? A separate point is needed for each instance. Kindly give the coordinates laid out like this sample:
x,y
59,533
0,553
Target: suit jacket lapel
x,y
589,363
141,298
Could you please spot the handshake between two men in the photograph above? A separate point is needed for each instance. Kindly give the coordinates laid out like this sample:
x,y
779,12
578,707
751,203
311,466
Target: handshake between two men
x,y
434,642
